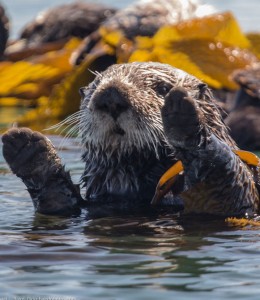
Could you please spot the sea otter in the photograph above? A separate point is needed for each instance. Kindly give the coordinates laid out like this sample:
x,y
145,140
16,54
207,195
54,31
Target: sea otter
x,y
64,21
135,121
52,28
243,119
4,30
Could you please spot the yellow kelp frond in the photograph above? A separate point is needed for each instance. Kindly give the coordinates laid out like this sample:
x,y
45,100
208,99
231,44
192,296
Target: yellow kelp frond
x,y
254,39
243,222
221,27
120,45
166,182
209,61
210,48
26,78
38,118
169,177
65,98
248,157
112,38
35,77
17,102
59,59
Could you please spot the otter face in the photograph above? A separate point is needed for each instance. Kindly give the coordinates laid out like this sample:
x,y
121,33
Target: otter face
x,y
124,146
121,109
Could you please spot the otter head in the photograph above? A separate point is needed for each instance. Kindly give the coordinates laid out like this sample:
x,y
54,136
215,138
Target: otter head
x,y
124,146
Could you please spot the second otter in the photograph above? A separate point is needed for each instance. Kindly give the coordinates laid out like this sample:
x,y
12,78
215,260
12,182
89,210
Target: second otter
x,y
127,145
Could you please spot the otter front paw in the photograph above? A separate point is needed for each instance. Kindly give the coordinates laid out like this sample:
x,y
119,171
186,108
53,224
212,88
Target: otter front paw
x,y
32,157
29,153
181,119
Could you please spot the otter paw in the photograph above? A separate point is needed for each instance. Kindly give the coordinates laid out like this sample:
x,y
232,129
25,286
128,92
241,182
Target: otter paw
x,y
29,153
181,118
32,157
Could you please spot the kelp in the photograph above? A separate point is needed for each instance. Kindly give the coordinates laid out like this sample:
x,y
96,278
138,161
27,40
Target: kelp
x,y
65,97
210,48
254,39
244,222
213,62
31,81
221,27
35,78
16,102
60,58
63,100
27,80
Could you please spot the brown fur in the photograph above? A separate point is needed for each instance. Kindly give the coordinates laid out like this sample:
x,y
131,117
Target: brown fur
x,y
61,22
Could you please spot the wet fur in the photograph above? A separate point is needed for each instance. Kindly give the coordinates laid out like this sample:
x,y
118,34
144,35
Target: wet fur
x,y
126,153
117,159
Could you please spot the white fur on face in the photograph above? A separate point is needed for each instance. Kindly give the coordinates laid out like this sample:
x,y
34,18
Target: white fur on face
x,y
106,152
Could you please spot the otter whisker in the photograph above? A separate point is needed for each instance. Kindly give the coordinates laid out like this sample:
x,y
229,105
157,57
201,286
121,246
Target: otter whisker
x,y
68,120
66,128
72,132
96,73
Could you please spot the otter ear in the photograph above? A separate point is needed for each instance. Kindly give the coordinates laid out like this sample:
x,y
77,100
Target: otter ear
x,y
202,87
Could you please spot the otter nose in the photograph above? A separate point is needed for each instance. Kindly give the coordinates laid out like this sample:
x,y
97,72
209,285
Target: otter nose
x,y
111,101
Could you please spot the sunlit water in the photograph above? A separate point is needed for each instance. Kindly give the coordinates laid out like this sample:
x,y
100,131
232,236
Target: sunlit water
x,y
127,257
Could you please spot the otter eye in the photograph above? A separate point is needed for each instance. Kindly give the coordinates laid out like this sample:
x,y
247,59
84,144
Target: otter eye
x,y
82,91
163,89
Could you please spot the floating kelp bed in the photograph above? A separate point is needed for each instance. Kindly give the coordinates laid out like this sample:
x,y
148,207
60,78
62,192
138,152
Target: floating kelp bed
x,y
211,48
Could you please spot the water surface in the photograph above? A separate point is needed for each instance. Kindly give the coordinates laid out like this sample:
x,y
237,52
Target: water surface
x,y
127,257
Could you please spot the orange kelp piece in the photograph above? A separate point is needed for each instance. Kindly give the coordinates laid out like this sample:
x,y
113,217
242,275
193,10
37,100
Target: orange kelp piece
x,y
243,222
169,177
166,182
248,157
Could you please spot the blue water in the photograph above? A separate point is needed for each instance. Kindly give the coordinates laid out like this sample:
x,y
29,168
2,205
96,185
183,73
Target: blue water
x,y
126,257
129,257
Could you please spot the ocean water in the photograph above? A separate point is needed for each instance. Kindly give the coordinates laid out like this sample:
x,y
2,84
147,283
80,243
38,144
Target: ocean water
x,y
20,12
120,257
